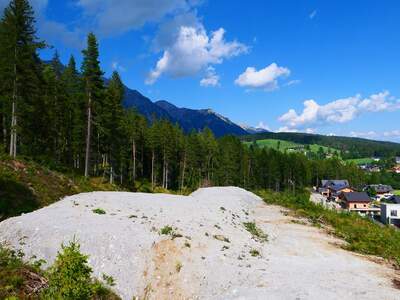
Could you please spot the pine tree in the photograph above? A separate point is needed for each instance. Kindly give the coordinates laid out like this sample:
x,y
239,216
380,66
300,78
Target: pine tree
x,y
20,60
92,76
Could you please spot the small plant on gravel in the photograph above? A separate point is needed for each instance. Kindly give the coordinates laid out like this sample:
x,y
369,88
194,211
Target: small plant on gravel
x,y
178,266
256,232
254,252
166,230
187,245
99,211
70,277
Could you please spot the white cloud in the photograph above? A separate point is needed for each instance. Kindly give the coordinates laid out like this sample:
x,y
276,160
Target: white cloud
x,y
116,66
211,78
111,17
338,111
367,134
292,82
266,78
194,50
312,14
393,133
262,125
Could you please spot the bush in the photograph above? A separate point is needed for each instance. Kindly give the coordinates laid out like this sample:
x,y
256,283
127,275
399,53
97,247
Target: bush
x,y
70,277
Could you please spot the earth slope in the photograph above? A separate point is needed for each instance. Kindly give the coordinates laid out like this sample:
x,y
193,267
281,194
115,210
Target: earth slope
x,y
211,259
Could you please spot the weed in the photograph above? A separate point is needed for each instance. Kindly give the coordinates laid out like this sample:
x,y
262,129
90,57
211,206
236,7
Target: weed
x,y
99,211
178,266
187,245
256,232
254,252
166,230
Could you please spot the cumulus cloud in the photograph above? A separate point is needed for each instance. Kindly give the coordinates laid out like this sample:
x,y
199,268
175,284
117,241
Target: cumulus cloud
x,y
266,78
211,78
194,50
338,111
264,126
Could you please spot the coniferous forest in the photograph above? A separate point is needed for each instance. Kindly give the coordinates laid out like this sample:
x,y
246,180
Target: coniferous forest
x,y
72,119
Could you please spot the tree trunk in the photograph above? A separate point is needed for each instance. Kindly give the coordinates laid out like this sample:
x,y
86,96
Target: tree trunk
x,y
183,171
152,169
88,133
134,160
13,131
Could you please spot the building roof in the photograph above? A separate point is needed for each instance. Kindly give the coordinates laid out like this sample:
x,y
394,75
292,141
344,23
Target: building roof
x,y
356,197
335,184
395,199
381,188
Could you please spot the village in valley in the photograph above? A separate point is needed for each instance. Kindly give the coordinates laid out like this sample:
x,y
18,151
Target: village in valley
x,y
380,202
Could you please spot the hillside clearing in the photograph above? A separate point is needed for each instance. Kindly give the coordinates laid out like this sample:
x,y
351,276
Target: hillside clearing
x,y
296,261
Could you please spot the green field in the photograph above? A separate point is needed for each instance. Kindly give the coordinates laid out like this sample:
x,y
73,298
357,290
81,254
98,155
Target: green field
x,y
396,192
360,161
283,145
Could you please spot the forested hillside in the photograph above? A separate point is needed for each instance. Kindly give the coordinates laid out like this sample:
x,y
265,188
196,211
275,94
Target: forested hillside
x,y
349,146
69,119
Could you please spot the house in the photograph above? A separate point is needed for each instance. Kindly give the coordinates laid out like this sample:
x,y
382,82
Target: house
x,y
396,169
390,213
397,159
394,199
380,189
333,188
358,202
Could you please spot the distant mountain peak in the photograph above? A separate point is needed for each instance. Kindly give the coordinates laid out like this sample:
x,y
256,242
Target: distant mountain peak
x,y
188,119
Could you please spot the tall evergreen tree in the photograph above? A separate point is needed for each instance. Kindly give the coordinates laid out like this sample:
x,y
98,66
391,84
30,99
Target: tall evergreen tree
x,y
19,58
92,76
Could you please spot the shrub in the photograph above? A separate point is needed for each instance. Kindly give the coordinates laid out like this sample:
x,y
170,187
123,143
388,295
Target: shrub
x,y
70,277
254,252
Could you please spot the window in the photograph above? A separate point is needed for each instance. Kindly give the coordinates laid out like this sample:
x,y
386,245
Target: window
x,y
365,205
393,213
355,205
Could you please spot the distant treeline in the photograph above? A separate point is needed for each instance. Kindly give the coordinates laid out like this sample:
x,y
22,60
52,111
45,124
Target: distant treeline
x,y
73,121
350,147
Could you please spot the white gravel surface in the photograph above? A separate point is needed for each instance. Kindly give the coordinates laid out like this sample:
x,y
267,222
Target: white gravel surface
x,y
297,262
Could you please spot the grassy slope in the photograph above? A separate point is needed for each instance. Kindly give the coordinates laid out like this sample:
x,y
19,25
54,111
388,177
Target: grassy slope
x,y
360,161
273,143
26,186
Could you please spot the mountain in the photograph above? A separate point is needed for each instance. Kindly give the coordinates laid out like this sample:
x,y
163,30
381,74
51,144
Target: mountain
x,y
144,105
188,119
253,130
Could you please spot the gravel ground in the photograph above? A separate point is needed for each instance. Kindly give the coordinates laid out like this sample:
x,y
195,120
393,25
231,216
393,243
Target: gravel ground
x,y
210,256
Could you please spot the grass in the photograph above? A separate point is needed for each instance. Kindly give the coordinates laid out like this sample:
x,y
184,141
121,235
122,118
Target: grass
x,y
26,186
284,145
99,211
256,232
361,234
360,161
167,230
396,192
254,252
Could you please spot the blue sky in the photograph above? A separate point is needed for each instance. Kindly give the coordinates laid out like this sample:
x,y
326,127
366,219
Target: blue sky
x,y
329,67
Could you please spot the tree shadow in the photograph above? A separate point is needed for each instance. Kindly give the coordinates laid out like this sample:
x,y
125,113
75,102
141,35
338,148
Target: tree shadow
x,y
15,198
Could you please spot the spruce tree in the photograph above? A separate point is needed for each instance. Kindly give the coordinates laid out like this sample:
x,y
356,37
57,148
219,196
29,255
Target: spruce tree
x,y
20,64
92,76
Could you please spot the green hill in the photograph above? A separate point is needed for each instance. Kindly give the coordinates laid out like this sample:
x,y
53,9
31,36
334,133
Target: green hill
x,y
348,146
